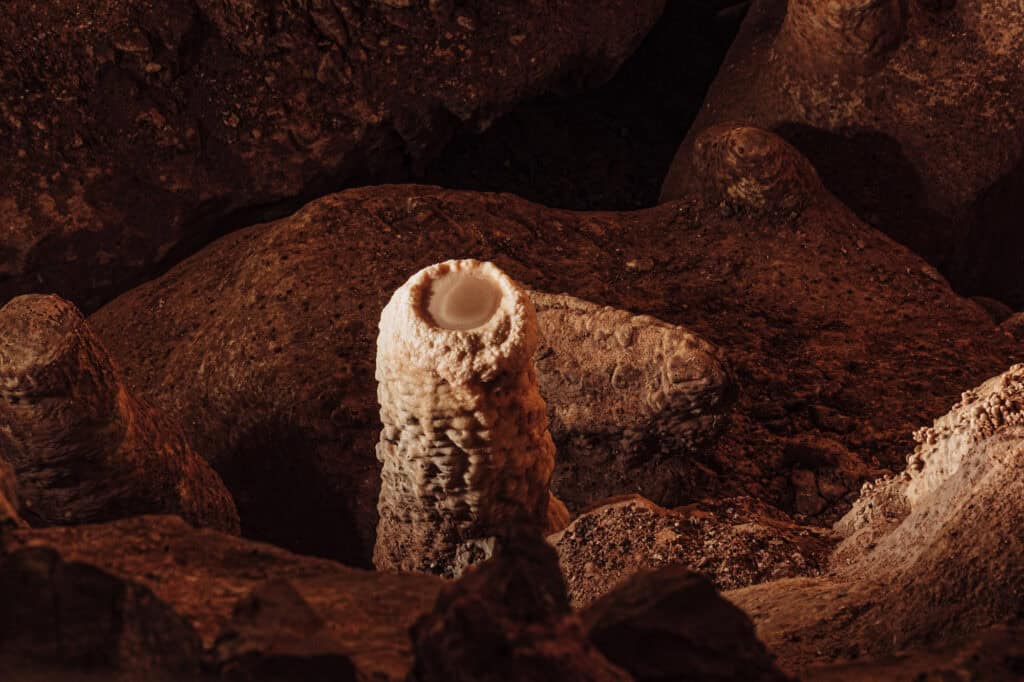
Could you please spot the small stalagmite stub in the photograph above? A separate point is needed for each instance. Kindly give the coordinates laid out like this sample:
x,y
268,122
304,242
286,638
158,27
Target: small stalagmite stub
x,y
83,448
465,447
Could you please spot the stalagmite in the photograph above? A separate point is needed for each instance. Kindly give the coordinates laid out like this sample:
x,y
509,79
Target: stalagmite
x,y
465,447
84,450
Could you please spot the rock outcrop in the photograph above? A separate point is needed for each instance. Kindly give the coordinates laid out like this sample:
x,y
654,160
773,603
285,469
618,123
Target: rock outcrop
x,y
263,344
733,542
671,624
911,111
508,619
151,596
83,448
132,133
465,451
9,514
623,388
932,556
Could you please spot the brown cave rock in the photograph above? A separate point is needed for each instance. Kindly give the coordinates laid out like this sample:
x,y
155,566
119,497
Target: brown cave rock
x,y
262,345
911,111
83,448
134,132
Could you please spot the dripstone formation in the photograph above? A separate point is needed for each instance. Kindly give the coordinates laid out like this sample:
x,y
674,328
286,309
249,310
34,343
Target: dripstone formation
x,y
931,555
465,449
84,450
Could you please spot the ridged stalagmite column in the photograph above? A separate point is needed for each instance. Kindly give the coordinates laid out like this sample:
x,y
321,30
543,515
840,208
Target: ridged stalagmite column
x,y
465,447
83,448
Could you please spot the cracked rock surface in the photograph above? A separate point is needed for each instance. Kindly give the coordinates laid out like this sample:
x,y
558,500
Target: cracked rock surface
x,y
133,132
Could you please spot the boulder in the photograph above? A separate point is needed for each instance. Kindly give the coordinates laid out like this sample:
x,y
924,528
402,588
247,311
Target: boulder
x,y
133,132
152,595
507,619
912,112
671,624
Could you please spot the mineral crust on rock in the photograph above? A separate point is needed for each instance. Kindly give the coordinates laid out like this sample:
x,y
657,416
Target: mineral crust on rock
x,y
734,542
134,132
932,556
465,450
83,449
262,346
911,111
623,388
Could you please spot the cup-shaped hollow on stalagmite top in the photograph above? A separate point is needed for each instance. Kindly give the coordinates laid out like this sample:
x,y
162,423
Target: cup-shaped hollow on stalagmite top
x,y
831,37
465,446
83,449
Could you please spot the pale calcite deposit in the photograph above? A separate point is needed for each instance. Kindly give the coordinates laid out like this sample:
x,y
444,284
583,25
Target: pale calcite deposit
x,y
84,450
934,470
465,448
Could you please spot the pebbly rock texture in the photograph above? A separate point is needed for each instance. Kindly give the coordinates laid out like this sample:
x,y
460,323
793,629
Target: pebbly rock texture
x,y
932,556
912,113
465,450
507,619
733,542
671,624
151,594
262,345
9,504
133,132
84,450
622,389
